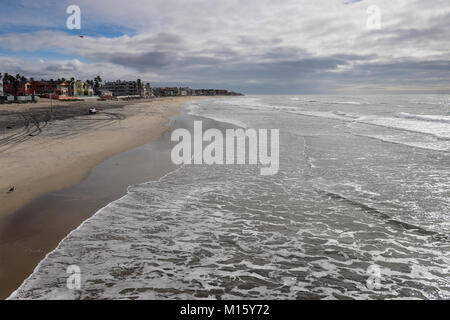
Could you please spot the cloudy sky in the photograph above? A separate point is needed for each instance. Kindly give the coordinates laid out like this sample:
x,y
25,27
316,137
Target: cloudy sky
x,y
252,46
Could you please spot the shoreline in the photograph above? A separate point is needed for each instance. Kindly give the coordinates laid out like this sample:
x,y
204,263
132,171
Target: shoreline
x,y
39,223
64,151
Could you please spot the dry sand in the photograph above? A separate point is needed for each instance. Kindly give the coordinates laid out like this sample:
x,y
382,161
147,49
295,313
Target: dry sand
x,y
60,153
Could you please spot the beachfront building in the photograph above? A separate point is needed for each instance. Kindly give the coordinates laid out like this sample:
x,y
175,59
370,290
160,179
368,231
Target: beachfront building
x,y
105,94
174,91
88,90
41,88
54,88
124,88
24,88
207,92
148,92
184,91
78,88
60,88
166,92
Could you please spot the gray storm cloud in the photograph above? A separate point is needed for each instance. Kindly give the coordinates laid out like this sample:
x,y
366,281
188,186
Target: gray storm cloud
x,y
289,46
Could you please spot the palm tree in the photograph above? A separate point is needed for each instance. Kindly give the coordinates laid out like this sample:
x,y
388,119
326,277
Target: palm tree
x,y
97,81
32,94
15,81
139,86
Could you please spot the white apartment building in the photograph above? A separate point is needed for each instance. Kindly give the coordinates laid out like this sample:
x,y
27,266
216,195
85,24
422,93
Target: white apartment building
x,y
123,88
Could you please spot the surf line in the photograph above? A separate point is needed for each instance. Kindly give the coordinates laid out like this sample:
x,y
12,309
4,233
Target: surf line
x,y
231,148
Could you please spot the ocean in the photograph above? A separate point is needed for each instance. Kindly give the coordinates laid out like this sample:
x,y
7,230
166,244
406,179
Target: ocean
x,y
359,209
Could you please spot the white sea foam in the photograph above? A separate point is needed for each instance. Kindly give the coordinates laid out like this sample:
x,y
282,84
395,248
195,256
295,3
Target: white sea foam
x,y
421,117
195,110
437,129
339,205
176,239
436,126
234,122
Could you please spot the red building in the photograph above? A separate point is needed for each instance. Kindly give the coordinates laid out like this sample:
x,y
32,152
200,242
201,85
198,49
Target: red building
x,y
55,88
39,88
23,89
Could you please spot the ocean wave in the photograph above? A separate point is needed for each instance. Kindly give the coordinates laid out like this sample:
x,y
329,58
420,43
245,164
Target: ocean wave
x,y
345,102
196,110
378,212
427,144
438,129
233,122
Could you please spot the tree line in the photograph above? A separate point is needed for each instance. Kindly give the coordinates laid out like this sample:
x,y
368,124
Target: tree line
x,y
18,79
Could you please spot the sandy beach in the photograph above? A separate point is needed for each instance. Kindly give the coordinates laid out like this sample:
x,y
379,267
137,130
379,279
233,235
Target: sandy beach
x,y
47,164
60,153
